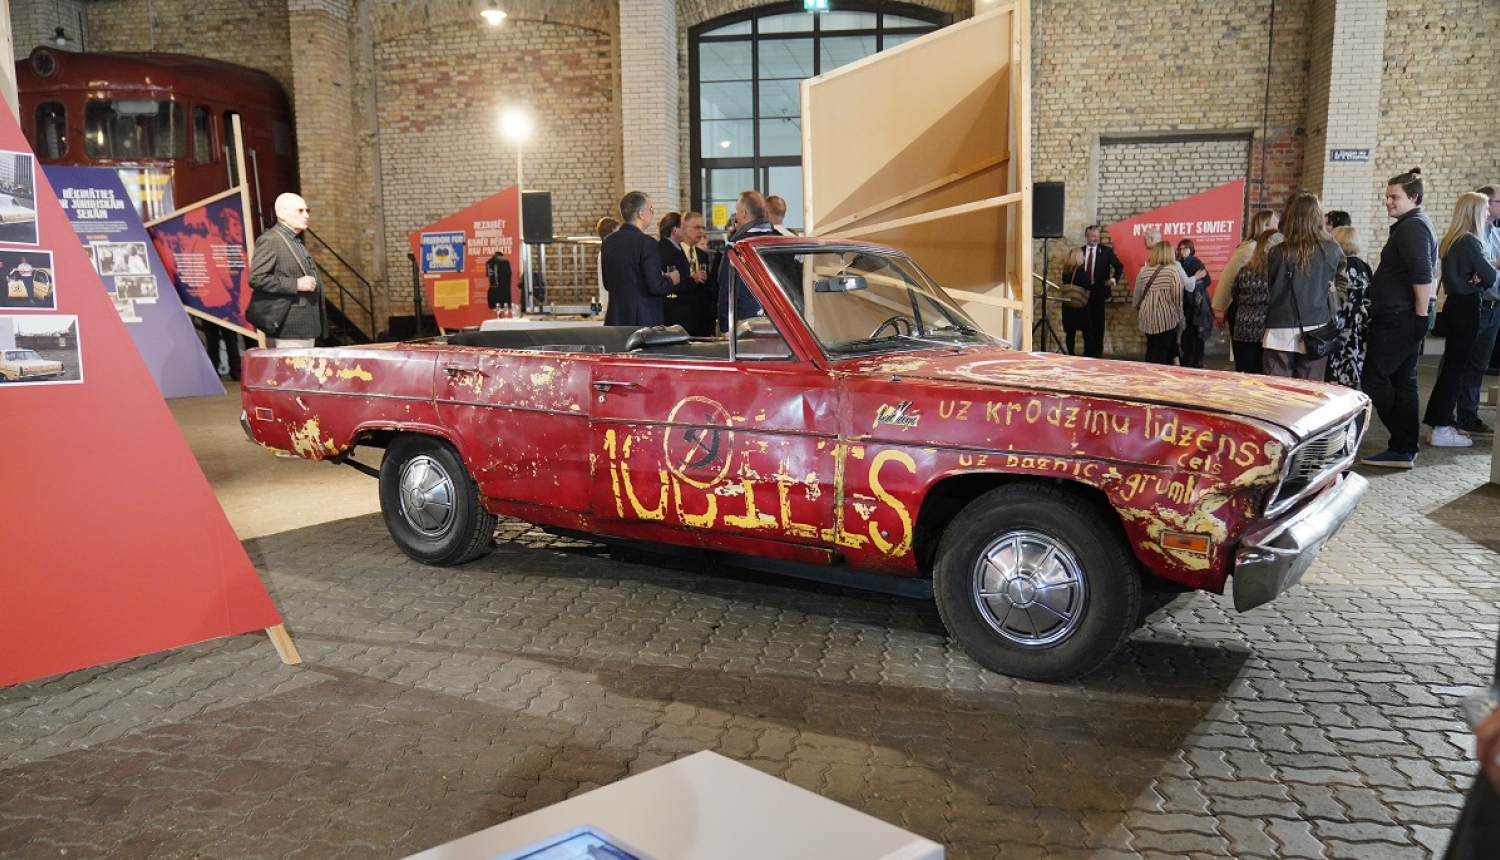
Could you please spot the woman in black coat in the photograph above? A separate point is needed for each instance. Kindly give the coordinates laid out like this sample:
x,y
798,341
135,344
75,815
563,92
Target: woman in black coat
x,y
1466,273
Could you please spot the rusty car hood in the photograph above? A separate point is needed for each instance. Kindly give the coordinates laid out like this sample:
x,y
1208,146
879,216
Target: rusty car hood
x,y
1298,406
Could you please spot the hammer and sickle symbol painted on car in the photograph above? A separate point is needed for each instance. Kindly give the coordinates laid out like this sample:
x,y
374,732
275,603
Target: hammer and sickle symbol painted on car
x,y
699,452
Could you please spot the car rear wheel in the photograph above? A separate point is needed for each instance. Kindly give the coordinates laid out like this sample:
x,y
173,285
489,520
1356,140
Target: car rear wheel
x,y
1035,583
431,504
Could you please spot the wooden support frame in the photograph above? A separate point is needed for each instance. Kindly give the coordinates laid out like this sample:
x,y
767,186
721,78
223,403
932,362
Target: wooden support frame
x,y
926,147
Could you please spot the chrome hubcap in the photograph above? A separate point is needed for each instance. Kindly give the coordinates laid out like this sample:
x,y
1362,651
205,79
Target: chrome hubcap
x,y
1030,588
427,496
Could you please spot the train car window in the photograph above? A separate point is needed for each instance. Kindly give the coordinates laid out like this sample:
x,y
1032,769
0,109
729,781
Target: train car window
x,y
281,138
203,135
134,128
51,130
230,155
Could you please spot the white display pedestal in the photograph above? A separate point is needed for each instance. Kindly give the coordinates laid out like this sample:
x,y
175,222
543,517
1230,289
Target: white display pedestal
x,y
704,807
533,322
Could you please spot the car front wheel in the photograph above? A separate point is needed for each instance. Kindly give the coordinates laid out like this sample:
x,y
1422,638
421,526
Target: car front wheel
x,y
1034,582
431,504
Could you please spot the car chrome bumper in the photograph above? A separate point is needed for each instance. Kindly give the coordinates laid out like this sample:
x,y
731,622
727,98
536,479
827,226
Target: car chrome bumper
x,y
1273,558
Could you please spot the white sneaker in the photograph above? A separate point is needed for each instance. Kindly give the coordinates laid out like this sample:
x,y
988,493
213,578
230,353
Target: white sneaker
x,y
1449,437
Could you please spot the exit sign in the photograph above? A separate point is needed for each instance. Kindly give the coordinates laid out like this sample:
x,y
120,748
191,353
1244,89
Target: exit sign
x,y
815,5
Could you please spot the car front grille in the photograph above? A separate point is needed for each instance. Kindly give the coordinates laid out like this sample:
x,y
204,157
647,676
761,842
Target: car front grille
x,y
1331,451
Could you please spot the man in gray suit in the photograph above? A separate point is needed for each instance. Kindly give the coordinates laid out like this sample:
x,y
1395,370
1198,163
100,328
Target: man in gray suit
x,y
282,273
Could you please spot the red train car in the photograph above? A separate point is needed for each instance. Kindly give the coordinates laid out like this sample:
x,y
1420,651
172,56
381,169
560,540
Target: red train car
x,y
163,121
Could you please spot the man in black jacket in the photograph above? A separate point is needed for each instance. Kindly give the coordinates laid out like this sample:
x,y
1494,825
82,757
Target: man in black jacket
x,y
633,272
282,272
750,220
1097,271
1401,298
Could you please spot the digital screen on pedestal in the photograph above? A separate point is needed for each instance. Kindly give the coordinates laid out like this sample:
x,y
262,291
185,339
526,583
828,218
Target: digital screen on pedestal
x,y
580,843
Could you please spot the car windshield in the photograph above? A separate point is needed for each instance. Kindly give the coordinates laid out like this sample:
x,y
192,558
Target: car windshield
x,y
861,300
22,355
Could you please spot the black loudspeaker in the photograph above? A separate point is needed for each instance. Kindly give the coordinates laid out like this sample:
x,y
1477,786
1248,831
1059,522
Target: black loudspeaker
x,y
536,217
1047,202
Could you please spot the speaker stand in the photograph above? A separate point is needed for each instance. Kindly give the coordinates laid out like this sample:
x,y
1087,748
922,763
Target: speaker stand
x,y
1044,321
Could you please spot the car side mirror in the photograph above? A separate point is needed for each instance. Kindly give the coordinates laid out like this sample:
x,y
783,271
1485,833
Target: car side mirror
x,y
841,284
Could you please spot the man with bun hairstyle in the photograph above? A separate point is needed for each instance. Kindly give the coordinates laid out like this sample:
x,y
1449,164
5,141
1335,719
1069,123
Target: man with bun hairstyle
x,y
1401,302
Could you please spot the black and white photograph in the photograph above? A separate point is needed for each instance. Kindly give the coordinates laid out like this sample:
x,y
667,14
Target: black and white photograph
x,y
39,350
94,260
142,288
121,258
29,282
18,197
125,308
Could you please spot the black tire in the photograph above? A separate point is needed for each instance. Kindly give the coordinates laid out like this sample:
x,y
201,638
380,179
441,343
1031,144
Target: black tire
x,y
431,504
1035,582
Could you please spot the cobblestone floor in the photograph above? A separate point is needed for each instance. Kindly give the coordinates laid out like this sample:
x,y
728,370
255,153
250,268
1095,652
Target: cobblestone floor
x,y
433,703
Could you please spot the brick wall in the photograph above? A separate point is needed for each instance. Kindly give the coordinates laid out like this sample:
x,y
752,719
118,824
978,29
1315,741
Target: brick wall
x,y
649,100
1176,66
1439,103
249,32
35,23
1343,110
441,88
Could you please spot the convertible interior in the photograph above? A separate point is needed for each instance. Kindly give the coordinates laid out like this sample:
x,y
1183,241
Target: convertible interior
x,y
756,339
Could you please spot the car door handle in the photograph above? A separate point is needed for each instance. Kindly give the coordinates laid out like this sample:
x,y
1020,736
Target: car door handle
x,y
454,370
603,386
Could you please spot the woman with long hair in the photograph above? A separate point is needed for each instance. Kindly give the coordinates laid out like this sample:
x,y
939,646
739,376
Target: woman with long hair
x,y
1158,296
1259,223
1465,274
1354,312
1301,273
1247,296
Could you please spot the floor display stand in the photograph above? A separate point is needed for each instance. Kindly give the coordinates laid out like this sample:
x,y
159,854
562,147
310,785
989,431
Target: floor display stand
x,y
702,807
114,545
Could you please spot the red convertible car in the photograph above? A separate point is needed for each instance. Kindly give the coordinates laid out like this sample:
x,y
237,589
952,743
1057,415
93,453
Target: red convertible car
x,y
859,428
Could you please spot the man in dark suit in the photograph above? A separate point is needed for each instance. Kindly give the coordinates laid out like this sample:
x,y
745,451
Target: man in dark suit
x,y
1098,269
678,305
633,272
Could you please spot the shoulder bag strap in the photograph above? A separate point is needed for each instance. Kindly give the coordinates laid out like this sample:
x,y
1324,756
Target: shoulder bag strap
x,y
300,263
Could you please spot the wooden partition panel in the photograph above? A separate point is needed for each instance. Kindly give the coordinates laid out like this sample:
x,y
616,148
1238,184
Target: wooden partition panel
x,y
925,148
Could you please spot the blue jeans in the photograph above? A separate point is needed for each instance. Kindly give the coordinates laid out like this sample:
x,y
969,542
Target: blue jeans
x,y
1390,374
1479,360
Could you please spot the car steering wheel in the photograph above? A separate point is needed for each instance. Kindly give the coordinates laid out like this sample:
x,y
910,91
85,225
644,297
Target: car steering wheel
x,y
895,324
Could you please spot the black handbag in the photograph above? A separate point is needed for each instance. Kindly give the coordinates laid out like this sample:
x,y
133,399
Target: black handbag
x,y
268,312
1323,341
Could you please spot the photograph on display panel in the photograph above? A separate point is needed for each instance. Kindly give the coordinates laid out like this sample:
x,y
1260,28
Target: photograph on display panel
x,y
121,258
18,197
125,308
142,288
29,283
39,350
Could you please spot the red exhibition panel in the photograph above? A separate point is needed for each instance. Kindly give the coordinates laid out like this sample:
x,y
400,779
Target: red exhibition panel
x,y
1211,219
452,253
112,544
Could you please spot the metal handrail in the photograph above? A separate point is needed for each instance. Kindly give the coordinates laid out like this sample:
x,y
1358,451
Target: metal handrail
x,y
346,296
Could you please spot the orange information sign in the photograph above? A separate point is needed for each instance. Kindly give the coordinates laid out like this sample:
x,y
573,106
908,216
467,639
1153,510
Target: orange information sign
x,y
112,544
453,254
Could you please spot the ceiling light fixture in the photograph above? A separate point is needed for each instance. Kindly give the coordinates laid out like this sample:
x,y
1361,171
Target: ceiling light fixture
x,y
493,14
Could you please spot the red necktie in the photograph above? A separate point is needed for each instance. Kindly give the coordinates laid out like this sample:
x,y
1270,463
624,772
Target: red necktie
x,y
1091,264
